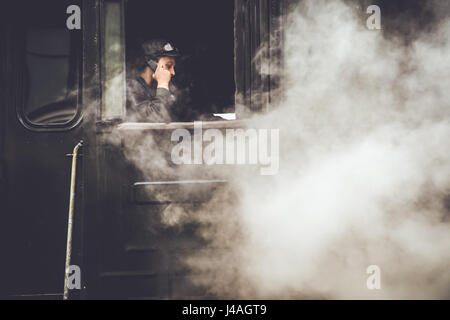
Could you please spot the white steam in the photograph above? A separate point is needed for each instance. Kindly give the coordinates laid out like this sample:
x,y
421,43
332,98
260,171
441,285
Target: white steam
x,y
364,175
364,171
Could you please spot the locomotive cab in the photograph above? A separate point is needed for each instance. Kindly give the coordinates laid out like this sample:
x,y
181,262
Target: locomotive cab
x,y
70,85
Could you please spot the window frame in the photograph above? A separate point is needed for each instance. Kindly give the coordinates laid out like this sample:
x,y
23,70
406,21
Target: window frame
x,y
258,22
124,65
110,68
20,49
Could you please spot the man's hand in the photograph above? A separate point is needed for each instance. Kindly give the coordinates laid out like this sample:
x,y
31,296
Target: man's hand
x,y
162,75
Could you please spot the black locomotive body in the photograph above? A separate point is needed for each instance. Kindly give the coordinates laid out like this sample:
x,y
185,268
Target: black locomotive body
x,y
56,91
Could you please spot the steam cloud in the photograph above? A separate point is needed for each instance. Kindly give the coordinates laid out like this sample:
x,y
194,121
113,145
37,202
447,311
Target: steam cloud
x,y
364,171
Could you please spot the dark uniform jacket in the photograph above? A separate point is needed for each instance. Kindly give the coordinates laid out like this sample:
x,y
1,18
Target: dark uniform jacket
x,y
146,103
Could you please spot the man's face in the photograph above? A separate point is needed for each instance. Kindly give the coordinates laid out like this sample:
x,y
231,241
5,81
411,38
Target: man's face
x,y
168,63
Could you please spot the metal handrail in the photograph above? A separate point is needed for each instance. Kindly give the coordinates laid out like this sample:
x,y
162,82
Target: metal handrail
x,y
70,219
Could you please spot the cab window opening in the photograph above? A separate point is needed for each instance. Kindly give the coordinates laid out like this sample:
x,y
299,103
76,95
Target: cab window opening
x,y
203,81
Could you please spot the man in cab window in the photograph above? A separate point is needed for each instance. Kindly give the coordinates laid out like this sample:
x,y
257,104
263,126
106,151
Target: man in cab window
x,y
149,97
